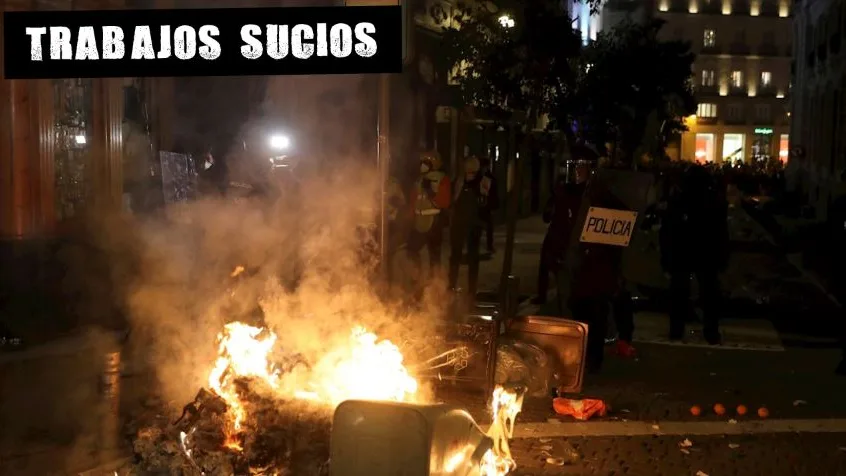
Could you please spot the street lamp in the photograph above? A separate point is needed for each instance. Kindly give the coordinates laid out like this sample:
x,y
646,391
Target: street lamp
x,y
80,140
506,21
280,142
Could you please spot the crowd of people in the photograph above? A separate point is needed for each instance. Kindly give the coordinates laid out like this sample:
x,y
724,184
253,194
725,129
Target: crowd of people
x,y
692,208
465,205
694,242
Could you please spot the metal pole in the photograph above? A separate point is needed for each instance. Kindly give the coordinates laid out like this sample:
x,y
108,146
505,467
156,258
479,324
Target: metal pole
x,y
383,161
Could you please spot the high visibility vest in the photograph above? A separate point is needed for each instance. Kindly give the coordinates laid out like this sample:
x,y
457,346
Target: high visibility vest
x,y
425,210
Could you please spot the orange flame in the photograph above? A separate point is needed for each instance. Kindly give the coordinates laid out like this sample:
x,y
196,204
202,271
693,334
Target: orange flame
x,y
505,406
365,368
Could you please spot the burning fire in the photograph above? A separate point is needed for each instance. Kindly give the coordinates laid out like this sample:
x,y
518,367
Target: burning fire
x,y
505,406
366,368
243,352
497,461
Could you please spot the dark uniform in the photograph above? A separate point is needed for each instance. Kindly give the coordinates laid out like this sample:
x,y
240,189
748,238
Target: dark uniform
x,y
596,285
694,240
560,212
466,222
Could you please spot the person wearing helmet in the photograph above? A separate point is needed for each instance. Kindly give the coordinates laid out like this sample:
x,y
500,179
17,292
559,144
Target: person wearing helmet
x,y
472,192
429,198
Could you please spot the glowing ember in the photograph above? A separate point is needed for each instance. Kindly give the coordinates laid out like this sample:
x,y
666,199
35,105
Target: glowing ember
x,y
505,406
364,368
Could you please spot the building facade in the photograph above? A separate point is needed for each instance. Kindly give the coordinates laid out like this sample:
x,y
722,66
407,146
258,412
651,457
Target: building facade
x,y
819,105
62,160
742,76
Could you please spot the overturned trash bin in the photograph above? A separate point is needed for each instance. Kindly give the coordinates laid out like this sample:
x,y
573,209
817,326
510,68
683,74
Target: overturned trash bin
x,y
563,341
386,439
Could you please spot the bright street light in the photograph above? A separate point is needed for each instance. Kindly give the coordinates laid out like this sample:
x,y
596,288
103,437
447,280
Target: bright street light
x,y
280,142
80,140
506,21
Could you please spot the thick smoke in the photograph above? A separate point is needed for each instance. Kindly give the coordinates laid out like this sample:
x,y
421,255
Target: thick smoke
x,y
183,293
302,256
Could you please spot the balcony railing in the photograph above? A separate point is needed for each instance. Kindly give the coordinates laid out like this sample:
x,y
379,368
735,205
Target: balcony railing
x,y
738,91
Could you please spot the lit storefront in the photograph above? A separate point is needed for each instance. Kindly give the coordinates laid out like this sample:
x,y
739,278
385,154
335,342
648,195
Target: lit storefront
x,y
710,142
734,148
762,144
784,147
705,147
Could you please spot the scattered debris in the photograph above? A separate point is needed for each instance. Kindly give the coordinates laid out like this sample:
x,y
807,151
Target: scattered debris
x,y
701,473
545,440
656,427
687,452
686,443
555,461
734,446
570,454
580,409
732,421
292,435
796,403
